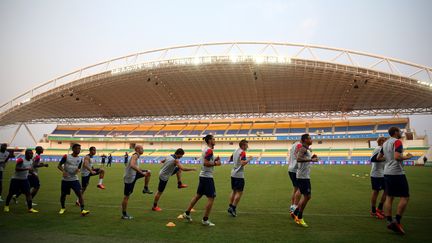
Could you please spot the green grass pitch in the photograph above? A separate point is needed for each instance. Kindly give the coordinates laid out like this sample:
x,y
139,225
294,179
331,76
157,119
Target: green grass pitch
x,y
338,211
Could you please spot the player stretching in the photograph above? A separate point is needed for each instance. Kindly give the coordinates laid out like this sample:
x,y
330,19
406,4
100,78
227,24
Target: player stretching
x,y
377,181
4,157
237,176
304,158
206,184
70,166
132,174
292,172
87,171
19,181
396,183
171,165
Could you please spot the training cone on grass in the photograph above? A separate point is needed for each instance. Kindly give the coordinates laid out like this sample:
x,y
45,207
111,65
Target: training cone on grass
x,y
180,216
170,224
192,210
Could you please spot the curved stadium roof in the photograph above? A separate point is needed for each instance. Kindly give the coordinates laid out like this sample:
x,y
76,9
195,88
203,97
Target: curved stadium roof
x,y
241,79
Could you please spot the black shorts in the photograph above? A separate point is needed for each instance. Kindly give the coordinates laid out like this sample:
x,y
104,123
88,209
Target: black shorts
x,y
162,185
293,177
206,187
305,186
377,183
85,180
1,176
237,184
128,187
16,186
34,181
396,185
66,186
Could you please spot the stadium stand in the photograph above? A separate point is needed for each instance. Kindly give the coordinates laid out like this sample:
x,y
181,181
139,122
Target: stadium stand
x,y
335,141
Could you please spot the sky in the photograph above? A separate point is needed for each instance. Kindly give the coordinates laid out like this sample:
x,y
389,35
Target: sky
x,y
43,39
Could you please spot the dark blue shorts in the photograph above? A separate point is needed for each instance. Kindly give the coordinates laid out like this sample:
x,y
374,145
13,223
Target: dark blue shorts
x,y
16,186
128,187
396,185
66,186
206,187
162,185
293,177
34,181
237,184
305,186
378,183
85,180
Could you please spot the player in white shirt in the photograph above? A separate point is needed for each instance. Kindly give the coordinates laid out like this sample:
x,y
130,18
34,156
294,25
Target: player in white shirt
x,y
206,184
237,176
171,166
4,157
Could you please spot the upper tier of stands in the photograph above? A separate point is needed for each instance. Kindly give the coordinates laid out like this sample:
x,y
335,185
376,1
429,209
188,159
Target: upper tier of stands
x,y
235,128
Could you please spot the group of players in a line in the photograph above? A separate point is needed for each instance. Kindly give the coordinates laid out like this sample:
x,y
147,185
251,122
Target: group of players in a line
x,y
387,174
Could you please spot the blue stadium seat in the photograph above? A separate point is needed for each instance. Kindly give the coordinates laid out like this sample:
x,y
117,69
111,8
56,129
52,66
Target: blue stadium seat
x,y
232,132
282,130
137,133
151,133
103,133
341,129
361,128
298,130
214,132
168,133
195,132
65,132
185,132
264,131
243,131
86,132
324,129
387,126
119,133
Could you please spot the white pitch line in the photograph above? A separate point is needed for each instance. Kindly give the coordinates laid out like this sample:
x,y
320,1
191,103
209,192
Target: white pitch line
x,y
257,212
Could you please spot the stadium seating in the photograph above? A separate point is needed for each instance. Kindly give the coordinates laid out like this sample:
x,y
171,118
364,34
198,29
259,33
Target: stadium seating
x,y
336,141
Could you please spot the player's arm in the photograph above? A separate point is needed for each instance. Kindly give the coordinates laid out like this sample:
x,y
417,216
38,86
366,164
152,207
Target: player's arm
x,y
38,164
60,166
243,160
376,158
398,154
163,161
6,160
86,165
380,155
302,157
216,162
180,166
207,158
134,164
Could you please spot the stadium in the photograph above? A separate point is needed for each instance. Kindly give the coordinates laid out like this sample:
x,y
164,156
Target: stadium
x,y
267,93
